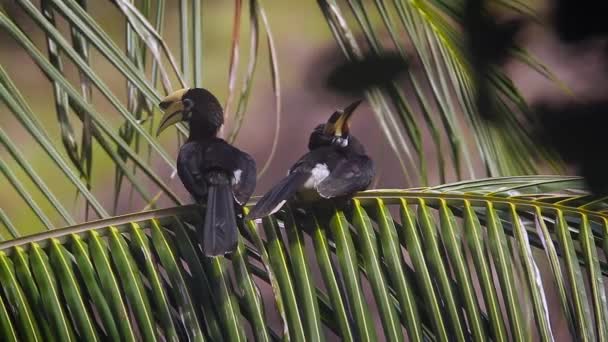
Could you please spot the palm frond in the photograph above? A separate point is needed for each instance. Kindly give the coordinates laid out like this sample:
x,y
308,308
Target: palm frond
x,y
457,261
454,262
429,33
87,129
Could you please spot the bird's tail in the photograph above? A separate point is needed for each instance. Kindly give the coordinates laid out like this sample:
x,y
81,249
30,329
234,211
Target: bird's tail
x,y
274,199
220,232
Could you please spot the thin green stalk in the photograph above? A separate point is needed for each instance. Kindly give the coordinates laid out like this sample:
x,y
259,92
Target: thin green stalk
x,y
27,197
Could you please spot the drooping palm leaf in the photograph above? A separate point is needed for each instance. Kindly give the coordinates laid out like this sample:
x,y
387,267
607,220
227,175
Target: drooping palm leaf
x,y
132,149
429,34
440,262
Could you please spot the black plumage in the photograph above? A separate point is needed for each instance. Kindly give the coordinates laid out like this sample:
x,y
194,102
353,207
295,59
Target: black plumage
x,y
214,172
336,166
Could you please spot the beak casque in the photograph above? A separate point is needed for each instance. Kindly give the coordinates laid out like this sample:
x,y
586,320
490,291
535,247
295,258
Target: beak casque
x,y
338,122
173,107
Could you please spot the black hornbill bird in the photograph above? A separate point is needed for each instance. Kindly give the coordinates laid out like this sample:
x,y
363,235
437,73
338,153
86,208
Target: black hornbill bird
x,y
214,172
335,166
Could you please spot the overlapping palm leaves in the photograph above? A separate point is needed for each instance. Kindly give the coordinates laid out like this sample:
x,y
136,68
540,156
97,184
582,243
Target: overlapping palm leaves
x,y
442,79
455,262
459,261
145,60
442,91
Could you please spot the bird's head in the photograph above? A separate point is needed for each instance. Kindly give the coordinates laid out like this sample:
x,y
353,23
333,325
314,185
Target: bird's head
x,y
196,106
335,131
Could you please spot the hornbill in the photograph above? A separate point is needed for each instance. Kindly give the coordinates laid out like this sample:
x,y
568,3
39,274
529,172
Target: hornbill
x,y
214,172
336,166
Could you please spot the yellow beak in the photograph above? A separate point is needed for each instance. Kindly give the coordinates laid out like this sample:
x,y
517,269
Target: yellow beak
x,y
173,107
338,122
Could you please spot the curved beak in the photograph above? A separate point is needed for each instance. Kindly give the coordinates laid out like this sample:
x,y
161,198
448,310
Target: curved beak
x,y
173,107
338,122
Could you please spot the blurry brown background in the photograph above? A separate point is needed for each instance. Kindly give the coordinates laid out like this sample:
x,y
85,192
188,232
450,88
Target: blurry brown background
x,y
306,52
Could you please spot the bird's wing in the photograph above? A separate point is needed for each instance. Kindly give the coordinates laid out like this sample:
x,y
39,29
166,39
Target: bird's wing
x,y
274,199
349,176
220,233
190,172
244,178
219,155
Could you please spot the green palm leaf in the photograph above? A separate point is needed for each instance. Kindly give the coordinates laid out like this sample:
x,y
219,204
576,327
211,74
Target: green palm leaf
x,y
436,263
431,297
442,93
443,89
132,149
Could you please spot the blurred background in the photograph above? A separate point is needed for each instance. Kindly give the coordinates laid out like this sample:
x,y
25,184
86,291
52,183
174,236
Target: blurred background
x,y
306,52
434,136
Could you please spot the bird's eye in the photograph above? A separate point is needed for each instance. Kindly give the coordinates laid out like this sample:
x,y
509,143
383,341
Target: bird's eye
x,y
188,104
